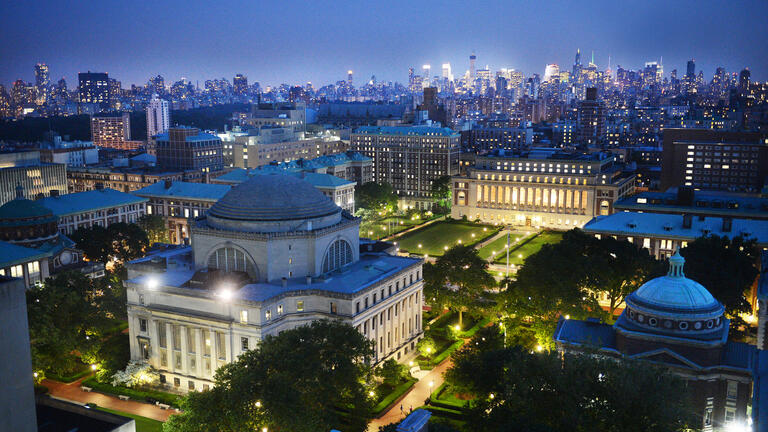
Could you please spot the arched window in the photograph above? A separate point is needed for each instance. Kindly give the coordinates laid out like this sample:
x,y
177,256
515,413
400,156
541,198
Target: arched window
x,y
339,254
231,260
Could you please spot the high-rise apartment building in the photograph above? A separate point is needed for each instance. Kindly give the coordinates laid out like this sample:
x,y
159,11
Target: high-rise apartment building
x,y
591,120
240,84
93,89
186,148
113,131
714,160
409,158
158,118
42,83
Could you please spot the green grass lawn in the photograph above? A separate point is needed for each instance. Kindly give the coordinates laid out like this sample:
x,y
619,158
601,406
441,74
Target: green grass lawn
x,y
518,255
500,243
388,226
434,238
143,424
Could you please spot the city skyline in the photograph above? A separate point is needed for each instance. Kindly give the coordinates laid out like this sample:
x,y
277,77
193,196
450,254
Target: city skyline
x,y
326,43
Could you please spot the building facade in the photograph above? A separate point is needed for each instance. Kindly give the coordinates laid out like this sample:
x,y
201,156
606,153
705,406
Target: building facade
x,y
543,188
715,160
125,179
272,254
409,158
483,140
25,169
591,120
100,207
113,131
158,117
93,88
185,148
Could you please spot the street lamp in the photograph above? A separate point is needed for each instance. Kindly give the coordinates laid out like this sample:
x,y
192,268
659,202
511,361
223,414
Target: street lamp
x,y
152,283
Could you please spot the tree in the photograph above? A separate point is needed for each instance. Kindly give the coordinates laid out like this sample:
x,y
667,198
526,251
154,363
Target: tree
x,y
118,242
379,197
154,226
297,381
65,319
391,372
458,279
726,267
441,192
517,390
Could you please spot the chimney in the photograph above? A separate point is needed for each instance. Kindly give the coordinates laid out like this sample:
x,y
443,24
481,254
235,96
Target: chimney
x,y
168,183
285,282
727,224
687,221
54,193
309,280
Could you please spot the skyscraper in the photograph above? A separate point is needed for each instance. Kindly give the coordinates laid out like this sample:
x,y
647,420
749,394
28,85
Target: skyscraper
x,y
240,84
447,71
472,59
158,119
426,68
690,69
93,89
186,148
42,84
591,120
349,78
551,71
113,131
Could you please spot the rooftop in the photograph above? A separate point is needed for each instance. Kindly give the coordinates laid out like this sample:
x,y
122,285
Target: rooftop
x,y
188,190
711,202
11,254
406,130
671,226
81,202
549,154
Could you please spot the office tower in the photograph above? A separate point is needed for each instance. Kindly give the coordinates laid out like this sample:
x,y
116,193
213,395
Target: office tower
x,y
426,69
93,88
113,131
349,78
25,168
5,103
411,76
158,118
714,160
551,71
186,148
690,69
409,158
42,84
240,84
591,114
115,93
447,72
435,111
472,59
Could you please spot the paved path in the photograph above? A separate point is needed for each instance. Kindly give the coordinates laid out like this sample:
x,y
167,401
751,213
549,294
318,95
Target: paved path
x,y
415,397
71,392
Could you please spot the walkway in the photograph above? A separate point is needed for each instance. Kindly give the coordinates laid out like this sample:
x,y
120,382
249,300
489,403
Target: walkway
x,y
71,392
415,397
413,228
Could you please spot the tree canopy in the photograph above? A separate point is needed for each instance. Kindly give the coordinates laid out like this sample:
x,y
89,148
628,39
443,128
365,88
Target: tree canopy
x,y
376,196
726,267
154,226
458,279
441,192
120,241
517,390
311,378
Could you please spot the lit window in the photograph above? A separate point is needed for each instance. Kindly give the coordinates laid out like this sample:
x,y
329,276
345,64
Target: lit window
x,y
244,316
300,305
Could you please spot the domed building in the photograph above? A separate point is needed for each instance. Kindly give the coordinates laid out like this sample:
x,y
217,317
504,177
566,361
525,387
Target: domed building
x,y
272,254
31,247
675,322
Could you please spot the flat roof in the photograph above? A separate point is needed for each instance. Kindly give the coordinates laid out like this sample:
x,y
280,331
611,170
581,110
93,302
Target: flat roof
x,y
406,130
182,189
81,202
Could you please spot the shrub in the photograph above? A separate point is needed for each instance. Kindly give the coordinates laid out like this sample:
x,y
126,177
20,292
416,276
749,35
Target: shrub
x,y
136,374
391,372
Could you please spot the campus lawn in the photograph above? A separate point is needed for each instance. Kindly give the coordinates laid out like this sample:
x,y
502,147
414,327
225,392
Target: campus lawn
x,y
518,255
498,245
143,424
435,237
386,227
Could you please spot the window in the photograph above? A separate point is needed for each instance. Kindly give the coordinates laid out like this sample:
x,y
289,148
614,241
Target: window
x,y
162,337
141,299
300,306
230,259
191,385
244,343
333,308
142,325
244,317
176,382
221,346
338,255
268,314
280,309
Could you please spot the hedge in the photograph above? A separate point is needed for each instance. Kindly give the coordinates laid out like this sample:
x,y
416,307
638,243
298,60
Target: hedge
x,y
401,389
138,395
471,332
444,355
81,371
444,412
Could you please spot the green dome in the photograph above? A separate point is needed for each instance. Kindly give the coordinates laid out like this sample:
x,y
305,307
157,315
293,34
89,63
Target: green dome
x,y
21,211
